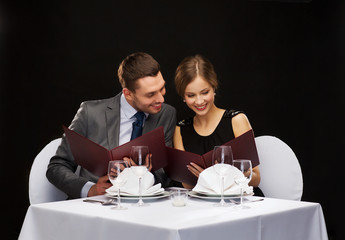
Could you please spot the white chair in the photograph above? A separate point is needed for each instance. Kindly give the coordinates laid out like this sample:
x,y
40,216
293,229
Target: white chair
x,y
280,171
40,189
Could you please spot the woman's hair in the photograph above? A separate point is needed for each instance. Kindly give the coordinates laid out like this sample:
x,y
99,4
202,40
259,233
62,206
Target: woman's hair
x,y
190,68
136,66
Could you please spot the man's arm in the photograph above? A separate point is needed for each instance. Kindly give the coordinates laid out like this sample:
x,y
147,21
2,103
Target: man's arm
x,y
62,167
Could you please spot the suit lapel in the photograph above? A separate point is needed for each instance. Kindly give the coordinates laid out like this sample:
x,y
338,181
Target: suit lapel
x,y
113,122
150,123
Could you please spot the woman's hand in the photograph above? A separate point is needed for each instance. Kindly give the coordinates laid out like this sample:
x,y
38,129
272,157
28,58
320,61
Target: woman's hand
x,y
195,169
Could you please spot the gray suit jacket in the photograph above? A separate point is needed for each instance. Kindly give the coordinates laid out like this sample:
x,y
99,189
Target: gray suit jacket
x,y
99,121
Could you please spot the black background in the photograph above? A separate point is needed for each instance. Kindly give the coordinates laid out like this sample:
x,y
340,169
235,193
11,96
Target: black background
x,y
282,62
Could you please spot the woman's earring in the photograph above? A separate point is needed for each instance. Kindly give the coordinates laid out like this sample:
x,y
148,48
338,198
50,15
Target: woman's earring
x,y
184,100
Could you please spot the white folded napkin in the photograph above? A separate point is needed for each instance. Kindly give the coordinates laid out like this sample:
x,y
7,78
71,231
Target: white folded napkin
x,y
209,182
131,186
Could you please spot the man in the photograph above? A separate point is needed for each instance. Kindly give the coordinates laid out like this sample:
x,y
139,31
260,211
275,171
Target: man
x,y
109,122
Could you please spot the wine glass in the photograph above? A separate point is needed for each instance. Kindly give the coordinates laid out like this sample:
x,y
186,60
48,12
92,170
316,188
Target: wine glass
x,y
245,166
140,155
221,161
117,178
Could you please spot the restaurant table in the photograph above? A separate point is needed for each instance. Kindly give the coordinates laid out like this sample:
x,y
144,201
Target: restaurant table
x,y
199,219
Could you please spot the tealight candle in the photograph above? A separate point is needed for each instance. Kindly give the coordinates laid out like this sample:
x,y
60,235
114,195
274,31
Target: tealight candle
x,y
179,198
179,202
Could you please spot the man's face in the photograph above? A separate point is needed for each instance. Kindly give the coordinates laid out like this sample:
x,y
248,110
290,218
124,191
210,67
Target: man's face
x,y
149,94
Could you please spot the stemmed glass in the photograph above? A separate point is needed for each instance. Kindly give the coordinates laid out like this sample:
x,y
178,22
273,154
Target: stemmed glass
x,y
245,166
221,161
141,157
115,169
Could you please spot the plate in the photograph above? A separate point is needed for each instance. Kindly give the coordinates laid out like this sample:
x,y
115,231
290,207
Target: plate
x,y
144,195
216,196
134,197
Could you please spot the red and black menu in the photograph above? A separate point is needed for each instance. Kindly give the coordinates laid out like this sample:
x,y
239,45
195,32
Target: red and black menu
x,y
243,147
95,157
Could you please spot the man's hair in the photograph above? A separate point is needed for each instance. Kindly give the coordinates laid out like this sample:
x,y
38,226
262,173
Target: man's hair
x,y
136,66
190,68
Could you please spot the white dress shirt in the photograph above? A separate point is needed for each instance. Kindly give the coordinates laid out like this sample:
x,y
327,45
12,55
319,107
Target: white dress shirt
x,y
127,119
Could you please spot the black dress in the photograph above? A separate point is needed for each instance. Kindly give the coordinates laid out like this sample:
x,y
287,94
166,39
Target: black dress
x,y
193,142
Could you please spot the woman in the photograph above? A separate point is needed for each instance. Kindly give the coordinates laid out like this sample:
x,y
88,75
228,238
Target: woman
x,y
196,82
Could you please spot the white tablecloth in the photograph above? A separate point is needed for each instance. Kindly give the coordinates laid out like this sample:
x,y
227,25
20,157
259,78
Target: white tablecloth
x,y
269,219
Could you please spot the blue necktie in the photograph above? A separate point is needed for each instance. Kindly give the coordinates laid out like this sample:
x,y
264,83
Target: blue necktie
x,y
138,125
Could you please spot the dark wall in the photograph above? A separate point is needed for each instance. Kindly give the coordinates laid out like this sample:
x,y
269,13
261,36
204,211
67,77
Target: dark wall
x,y
280,62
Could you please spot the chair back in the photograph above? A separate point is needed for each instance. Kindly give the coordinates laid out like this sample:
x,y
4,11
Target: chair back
x,y
40,189
280,171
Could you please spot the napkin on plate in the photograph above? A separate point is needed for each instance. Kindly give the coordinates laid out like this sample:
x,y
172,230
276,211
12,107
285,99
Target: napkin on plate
x,y
209,182
131,186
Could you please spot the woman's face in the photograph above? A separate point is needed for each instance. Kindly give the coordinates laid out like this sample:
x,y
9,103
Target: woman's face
x,y
199,96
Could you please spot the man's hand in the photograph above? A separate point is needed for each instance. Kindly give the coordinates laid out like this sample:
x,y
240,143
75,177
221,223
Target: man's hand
x,y
100,187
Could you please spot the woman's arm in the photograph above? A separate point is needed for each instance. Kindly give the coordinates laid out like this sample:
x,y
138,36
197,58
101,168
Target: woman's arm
x,y
255,177
178,143
240,125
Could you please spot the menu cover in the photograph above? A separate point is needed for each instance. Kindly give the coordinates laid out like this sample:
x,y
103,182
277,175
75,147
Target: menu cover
x,y
243,147
95,157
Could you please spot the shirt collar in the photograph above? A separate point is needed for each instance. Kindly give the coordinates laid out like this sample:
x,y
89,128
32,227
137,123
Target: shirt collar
x,y
127,109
